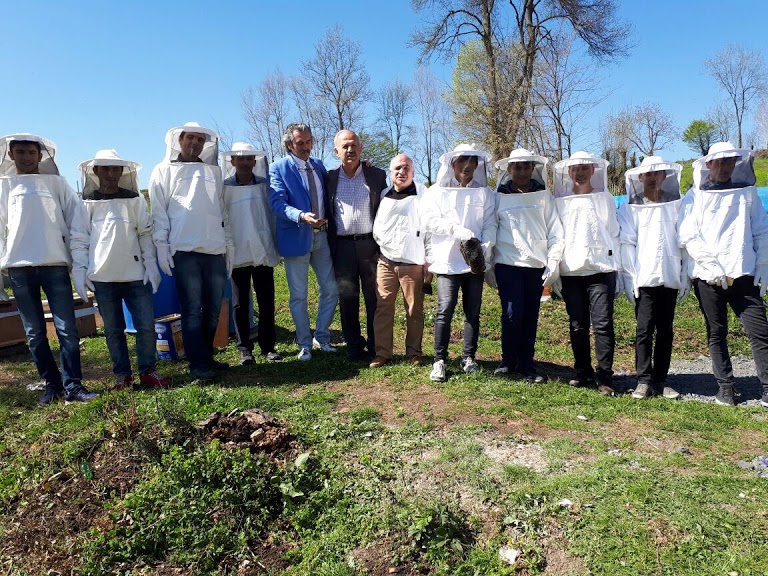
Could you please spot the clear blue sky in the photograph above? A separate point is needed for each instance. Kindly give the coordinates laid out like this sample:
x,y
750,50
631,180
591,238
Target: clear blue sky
x,y
101,74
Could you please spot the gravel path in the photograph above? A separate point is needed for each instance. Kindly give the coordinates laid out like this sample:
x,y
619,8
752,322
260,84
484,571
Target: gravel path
x,y
694,380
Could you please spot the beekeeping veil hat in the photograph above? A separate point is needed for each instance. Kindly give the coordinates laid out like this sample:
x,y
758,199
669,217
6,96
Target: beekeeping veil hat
x,y
670,187
210,153
47,149
244,149
522,155
129,179
563,183
447,160
723,155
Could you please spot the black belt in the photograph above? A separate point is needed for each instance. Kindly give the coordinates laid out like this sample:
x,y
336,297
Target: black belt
x,y
368,236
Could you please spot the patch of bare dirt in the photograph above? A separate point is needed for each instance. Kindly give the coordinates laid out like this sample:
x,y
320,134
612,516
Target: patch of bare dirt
x,y
42,533
376,558
253,430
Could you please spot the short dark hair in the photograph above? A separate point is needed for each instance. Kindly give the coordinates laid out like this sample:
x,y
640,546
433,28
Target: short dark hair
x,y
15,143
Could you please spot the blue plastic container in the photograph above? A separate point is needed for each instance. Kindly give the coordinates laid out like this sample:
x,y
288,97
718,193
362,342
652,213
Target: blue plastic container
x,y
166,302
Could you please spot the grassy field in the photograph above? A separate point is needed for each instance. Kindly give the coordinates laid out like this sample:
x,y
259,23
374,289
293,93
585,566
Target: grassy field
x,y
387,473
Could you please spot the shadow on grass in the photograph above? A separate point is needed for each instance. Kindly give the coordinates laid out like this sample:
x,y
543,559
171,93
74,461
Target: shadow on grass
x,y
18,396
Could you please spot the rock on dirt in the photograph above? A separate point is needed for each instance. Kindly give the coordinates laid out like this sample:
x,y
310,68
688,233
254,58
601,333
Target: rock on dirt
x,y
252,429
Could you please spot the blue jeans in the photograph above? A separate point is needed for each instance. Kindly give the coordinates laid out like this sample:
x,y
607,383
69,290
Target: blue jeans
x,y
138,299
26,283
471,299
200,283
520,294
297,275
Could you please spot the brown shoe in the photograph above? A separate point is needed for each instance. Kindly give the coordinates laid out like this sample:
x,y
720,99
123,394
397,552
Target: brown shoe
x,y
378,362
606,390
415,360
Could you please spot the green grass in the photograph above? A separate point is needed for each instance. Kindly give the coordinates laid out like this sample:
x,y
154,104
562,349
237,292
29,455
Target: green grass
x,y
396,472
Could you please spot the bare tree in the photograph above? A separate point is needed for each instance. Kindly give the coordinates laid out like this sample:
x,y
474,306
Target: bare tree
x,y
761,125
394,102
339,77
614,133
226,136
721,117
650,128
593,21
741,72
563,93
265,108
314,113
433,120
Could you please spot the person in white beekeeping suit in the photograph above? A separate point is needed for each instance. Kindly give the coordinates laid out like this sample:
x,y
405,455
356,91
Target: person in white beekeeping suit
x,y
114,256
724,228
458,208
399,232
529,246
652,268
37,212
252,223
192,237
591,259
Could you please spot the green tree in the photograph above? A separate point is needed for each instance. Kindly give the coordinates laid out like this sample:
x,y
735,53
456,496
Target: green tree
x,y
378,149
700,135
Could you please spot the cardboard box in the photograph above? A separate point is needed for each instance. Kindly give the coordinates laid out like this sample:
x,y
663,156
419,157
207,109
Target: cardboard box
x,y
170,343
85,317
11,327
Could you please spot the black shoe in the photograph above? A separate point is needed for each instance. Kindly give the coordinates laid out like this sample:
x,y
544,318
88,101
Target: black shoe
x,y
764,399
533,377
582,382
216,365
80,394
724,396
51,394
202,374
246,357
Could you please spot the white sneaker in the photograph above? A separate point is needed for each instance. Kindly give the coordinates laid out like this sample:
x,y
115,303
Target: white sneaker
x,y
469,365
438,371
305,355
324,347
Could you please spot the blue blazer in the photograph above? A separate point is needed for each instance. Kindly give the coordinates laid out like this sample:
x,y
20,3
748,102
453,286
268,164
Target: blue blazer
x,y
289,198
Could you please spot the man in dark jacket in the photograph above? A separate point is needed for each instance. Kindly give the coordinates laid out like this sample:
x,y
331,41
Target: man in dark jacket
x,y
353,194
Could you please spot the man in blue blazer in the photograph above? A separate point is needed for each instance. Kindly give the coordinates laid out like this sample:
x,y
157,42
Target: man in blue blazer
x,y
297,199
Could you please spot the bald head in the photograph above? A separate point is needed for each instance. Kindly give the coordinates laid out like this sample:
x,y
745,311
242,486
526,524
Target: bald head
x,y
401,172
347,147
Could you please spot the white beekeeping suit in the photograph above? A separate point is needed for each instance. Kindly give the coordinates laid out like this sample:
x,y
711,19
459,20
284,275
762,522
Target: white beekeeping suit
x,y
399,228
37,211
115,243
589,220
650,251
452,214
529,234
251,220
723,224
187,202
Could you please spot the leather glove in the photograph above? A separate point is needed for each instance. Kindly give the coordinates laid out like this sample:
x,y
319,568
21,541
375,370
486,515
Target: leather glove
x,y
164,259
683,292
557,287
761,278
462,234
230,260
551,273
630,290
79,275
152,275
619,286
3,296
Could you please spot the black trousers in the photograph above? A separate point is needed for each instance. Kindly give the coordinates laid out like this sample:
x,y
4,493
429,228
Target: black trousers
x,y
744,299
589,299
354,264
655,313
264,287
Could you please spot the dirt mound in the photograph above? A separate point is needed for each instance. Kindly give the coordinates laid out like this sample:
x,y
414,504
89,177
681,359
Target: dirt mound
x,y
253,430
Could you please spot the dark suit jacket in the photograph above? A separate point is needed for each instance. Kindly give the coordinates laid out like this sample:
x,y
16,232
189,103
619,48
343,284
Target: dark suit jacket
x,y
375,178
